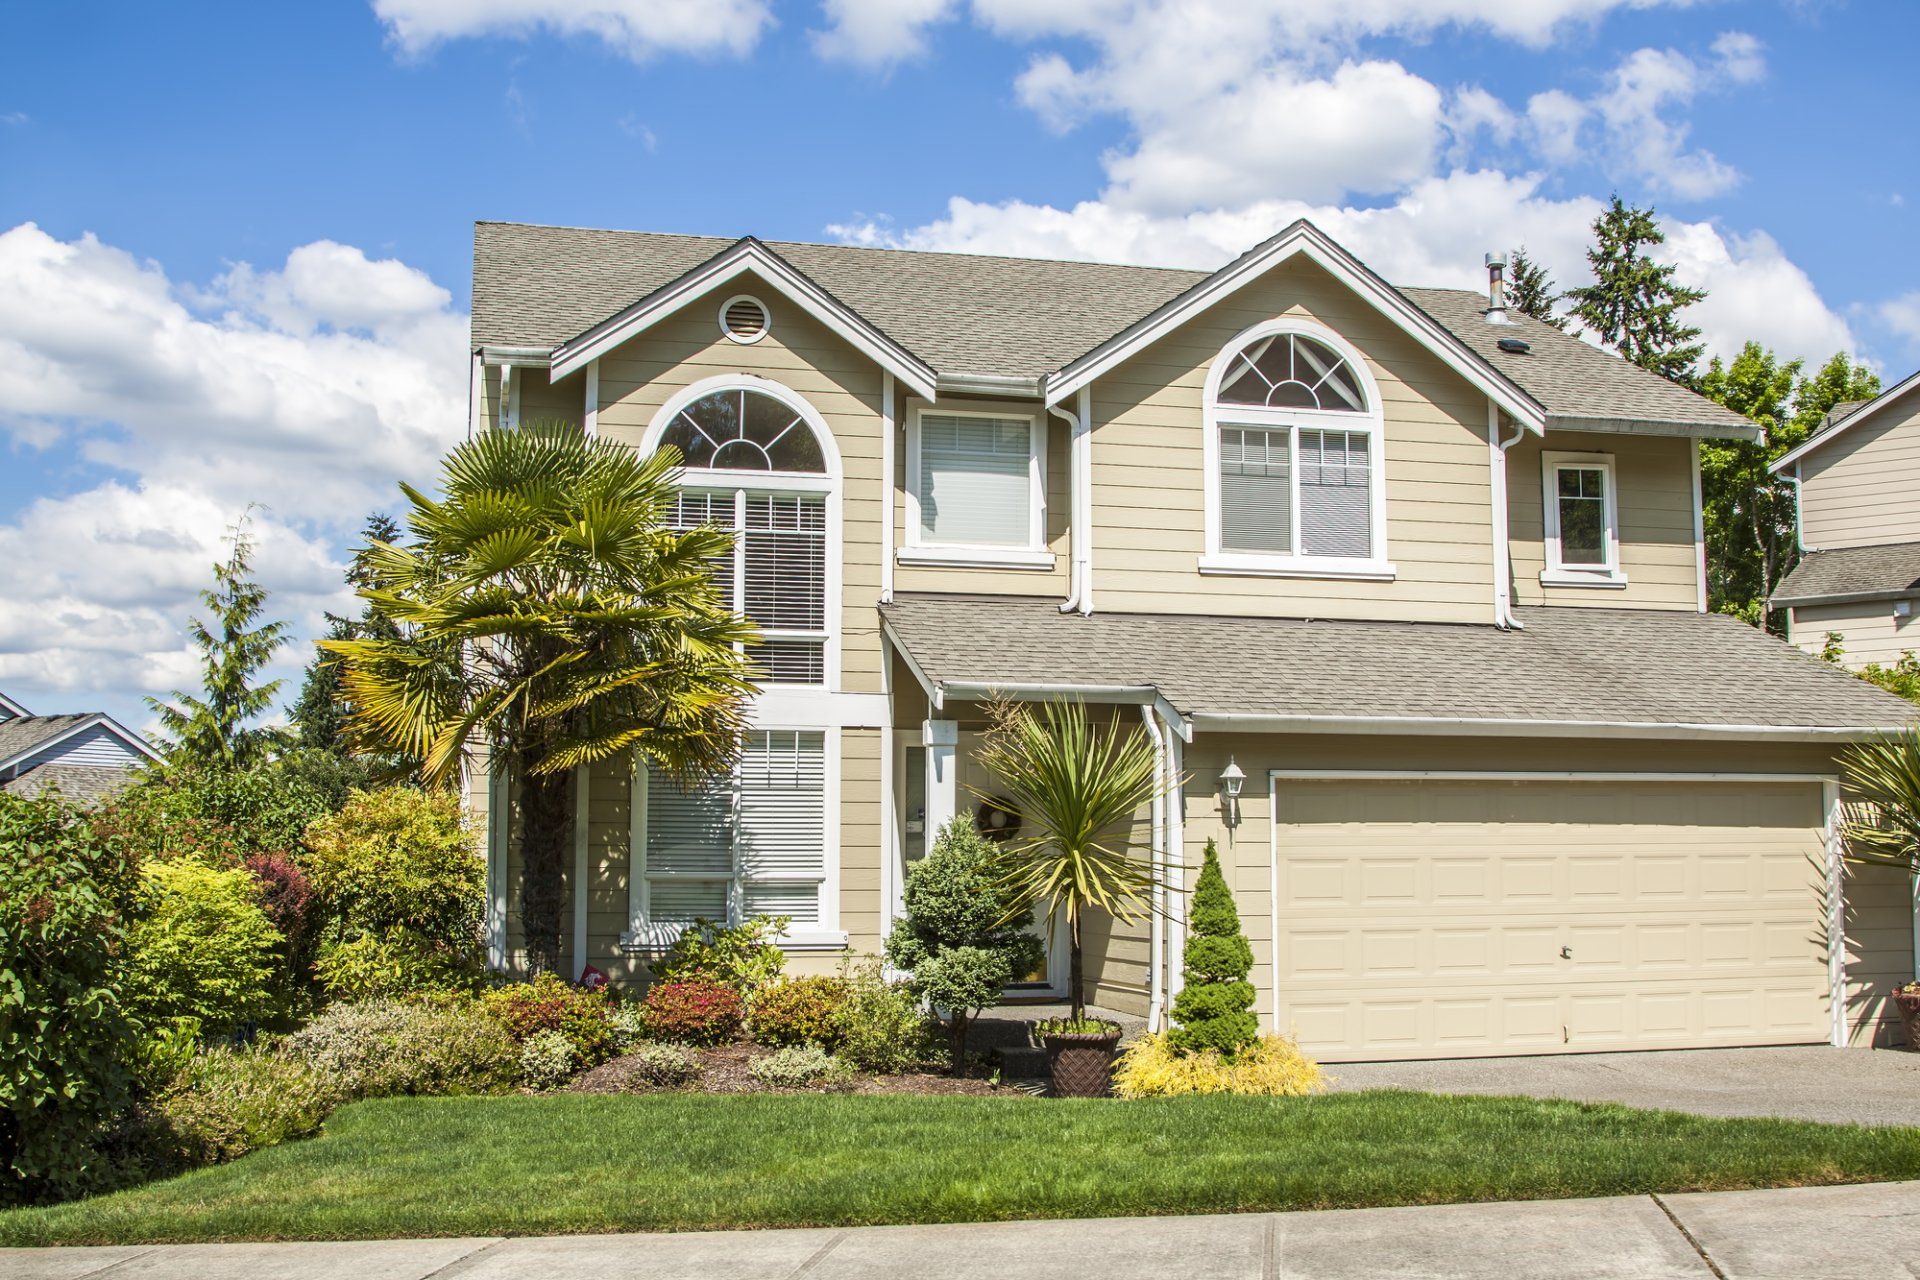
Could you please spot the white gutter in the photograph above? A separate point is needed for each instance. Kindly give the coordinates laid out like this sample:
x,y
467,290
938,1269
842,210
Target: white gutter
x,y
886,486
1700,534
1239,722
1104,694
1157,895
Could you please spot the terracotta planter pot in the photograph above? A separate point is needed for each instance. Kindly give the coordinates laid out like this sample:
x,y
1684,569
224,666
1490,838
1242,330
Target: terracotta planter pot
x,y
1081,1065
1908,1006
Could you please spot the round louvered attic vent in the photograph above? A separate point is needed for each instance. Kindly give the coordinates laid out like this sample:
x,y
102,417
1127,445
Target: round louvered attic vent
x,y
744,319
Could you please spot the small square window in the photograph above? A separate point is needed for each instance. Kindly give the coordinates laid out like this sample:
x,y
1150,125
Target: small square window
x,y
976,482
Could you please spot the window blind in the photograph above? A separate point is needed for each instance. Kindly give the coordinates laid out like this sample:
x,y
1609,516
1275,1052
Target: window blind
x,y
780,556
1256,491
976,487
1336,494
689,850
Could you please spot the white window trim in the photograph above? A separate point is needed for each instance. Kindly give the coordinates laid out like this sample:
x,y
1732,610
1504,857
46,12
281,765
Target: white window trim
x,y
773,482
1608,576
1034,555
646,938
1217,559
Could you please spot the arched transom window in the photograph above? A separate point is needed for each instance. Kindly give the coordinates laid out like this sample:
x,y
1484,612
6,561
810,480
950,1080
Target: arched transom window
x,y
756,465
1294,480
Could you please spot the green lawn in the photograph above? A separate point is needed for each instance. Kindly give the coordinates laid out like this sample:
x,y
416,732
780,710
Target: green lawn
x,y
525,1165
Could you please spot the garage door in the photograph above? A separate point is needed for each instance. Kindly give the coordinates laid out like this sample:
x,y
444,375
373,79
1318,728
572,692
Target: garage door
x,y
1422,918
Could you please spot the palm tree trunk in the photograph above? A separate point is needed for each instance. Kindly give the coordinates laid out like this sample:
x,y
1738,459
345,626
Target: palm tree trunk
x,y
1075,998
546,825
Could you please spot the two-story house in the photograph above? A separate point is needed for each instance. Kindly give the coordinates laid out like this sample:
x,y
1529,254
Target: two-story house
x,y
1857,480
1408,593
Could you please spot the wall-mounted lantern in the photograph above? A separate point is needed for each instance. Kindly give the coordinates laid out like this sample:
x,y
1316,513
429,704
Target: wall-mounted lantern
x,y
1231,780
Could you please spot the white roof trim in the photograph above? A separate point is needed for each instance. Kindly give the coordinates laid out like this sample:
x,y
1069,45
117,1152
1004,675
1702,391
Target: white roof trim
x,y
12,708
1847,423
98,718
1228,721
1652,427
746,257
1301,238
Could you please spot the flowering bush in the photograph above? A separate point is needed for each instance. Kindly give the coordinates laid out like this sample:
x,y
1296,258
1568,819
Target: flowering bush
x,y
797,1011
547,1060
693,1012
527,1009
388,1047
1272,1066
800,1066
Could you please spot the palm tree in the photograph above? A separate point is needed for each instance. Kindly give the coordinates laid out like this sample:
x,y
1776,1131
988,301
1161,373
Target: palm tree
x,y
1883,779
544,607
1076,789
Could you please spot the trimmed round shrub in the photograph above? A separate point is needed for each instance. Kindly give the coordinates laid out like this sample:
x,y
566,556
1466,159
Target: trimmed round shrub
x,y
800,1066
1214,1009
388,1047
66,894
231,1101
1271,1067
880,1026
548,1060
693,1012
201,948
663,1066
528,1009
797,1011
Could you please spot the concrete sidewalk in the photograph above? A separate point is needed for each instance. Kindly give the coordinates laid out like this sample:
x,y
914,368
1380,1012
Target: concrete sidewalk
x,y
1814,1233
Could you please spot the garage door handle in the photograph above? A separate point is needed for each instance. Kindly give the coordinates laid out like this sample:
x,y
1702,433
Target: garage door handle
x,y
1566,953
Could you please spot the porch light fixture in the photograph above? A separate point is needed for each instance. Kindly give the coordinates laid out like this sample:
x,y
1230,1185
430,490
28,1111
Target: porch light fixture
x,y
1231,780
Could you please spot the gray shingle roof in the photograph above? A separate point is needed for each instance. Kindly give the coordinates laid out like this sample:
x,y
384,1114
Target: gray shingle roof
x,y
1852,573
1579,666
82,784
23,733
536,286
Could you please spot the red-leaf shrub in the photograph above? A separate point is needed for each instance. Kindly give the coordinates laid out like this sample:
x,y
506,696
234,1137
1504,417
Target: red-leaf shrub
x,y
287,899
525,1009
693,1012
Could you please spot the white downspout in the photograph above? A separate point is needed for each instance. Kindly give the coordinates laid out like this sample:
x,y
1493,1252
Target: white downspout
x,y
476,396
1176,805
886,487
1156,900
1700,533
1084,548
1074,577
591,422
1502,533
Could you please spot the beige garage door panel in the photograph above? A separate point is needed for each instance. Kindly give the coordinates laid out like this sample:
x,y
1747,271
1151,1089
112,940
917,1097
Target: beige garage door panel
x,y
1424,918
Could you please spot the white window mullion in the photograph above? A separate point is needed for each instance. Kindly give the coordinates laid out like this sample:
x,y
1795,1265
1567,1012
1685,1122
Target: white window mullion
x,y
1293,483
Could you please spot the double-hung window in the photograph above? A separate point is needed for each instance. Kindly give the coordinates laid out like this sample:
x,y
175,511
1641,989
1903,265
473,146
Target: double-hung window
x,y
1582,542
1295,485
751,844
975,490
756,468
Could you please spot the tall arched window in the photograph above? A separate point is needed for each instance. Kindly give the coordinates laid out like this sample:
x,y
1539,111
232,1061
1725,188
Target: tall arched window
x,y
760,462
1294,482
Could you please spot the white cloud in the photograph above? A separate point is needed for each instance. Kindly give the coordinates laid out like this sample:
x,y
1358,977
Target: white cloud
x,y
310,389
1640,138
1902,315
878,33
636,29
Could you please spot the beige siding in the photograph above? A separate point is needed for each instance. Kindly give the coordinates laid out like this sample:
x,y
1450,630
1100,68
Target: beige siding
x,y
1149,485
1654,476
1868,630
1864,488
1880,919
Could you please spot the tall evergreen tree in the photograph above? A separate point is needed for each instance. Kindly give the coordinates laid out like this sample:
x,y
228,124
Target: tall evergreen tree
x,y
216,729
1634,303
1530,290
321,714
1749,513
1214,1009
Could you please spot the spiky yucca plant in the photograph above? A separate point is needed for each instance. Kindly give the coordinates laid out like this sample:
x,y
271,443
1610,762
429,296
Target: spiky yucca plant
x,y
543,606
1076,788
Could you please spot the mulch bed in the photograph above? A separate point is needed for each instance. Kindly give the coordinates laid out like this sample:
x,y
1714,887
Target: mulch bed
x,y
723,1069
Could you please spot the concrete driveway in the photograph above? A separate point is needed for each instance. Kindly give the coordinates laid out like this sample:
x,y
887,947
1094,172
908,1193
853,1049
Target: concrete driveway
x,y
1801,1082
1814,1233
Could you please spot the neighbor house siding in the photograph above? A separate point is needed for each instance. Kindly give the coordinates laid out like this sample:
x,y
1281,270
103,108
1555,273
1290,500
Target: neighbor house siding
x,y
1654,504
98,747
1149,527
1868,630
1864,488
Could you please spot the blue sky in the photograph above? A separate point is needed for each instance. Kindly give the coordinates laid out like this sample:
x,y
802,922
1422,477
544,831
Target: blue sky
x,y
234,238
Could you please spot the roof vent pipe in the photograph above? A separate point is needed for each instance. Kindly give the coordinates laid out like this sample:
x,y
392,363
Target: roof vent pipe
x,y
1497,288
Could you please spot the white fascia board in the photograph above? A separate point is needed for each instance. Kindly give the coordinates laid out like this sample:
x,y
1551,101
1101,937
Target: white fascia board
x,y
1233,722
1846,424
1130,695
1302,238
1639,427
1886,595
747,257
11,707
990,384
98,719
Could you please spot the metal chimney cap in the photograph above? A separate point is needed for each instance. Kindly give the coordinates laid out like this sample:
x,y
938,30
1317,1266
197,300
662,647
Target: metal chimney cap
x,y
1498,258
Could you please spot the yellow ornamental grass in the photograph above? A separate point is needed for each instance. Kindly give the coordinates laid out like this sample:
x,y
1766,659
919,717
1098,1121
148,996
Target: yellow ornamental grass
x,y
1272,1067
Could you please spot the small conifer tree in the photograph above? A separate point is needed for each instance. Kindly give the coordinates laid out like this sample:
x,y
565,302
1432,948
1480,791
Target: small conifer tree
x,y
1214,1009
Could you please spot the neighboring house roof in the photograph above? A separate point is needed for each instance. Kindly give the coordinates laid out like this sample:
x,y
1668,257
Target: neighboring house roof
x,y
1836,424
1018,319
9,708
80,749
82,784
1628,672
1887,572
